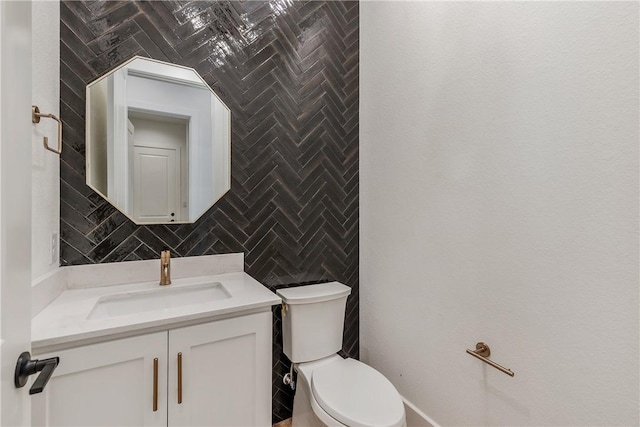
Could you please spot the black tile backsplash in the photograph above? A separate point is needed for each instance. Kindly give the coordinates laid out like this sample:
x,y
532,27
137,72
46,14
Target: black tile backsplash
x,y
288,71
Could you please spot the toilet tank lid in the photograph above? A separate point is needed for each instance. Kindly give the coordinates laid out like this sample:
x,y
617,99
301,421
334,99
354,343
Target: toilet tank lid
x,y
313,293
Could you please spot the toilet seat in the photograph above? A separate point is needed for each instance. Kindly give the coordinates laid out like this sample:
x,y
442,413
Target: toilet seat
x,y
355,394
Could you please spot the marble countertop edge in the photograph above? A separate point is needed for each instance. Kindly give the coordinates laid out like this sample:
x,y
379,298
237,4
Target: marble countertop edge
x,y
64,323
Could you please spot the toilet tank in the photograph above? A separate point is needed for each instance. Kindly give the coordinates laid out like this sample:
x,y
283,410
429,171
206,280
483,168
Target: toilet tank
x,y
313,321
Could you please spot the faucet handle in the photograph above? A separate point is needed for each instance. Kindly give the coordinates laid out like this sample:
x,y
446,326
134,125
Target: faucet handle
x,y
165,263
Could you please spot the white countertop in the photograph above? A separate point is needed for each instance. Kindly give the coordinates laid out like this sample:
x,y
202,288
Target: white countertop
x,y
65,321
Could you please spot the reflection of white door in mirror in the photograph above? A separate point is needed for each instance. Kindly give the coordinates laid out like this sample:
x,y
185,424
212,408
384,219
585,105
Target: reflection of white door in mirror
x,y
160,188
156,185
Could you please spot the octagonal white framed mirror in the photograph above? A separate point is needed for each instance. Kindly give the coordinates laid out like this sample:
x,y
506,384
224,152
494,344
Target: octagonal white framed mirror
x,y
158,142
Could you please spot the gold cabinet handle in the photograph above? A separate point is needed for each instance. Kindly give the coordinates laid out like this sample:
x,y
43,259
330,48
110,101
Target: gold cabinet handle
x,y
179,378
155,384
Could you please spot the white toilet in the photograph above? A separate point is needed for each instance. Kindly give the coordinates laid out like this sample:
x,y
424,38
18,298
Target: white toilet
x,y
330,390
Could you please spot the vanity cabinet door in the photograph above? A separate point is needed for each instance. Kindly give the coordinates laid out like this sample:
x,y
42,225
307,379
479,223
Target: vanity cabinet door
x,y
106,384
226,373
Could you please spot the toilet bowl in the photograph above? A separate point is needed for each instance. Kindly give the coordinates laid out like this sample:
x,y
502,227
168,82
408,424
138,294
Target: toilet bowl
x,y
345,392
331,390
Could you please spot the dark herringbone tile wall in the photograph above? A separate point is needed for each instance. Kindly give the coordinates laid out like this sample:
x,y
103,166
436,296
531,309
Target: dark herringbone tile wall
x,y
289,72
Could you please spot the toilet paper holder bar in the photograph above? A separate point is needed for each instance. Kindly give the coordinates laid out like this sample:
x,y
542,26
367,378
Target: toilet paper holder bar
x,y
482,352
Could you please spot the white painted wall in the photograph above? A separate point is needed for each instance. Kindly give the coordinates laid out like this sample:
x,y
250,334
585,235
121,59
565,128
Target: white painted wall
x,y
499,203
220,150
45,212
99,113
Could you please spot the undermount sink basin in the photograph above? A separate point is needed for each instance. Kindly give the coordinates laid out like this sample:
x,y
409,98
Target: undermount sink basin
x,y
157,299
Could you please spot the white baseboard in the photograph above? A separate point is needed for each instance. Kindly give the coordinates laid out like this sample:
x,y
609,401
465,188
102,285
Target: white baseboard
x,y
417,418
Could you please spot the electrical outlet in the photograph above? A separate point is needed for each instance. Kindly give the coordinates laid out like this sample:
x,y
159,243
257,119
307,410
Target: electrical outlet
x,y
53,249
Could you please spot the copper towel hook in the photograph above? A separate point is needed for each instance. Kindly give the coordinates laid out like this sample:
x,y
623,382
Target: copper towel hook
x,y
35,118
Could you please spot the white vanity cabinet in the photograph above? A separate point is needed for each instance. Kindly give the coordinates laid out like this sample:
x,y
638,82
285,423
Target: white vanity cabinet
x,y
226,373
109,383
225,378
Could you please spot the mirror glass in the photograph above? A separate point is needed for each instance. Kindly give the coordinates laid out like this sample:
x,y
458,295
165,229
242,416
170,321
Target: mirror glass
x,y
158,142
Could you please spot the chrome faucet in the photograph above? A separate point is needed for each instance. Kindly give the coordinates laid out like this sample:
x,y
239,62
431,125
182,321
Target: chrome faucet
x,y
165,268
